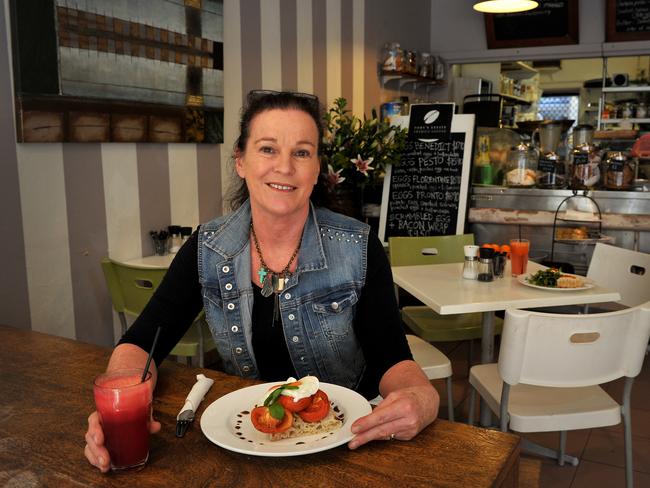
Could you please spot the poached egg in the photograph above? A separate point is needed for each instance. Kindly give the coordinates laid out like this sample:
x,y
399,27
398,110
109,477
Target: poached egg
x,y
307,386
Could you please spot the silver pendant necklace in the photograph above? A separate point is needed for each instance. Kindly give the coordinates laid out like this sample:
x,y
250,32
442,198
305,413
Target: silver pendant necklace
x,y
271,281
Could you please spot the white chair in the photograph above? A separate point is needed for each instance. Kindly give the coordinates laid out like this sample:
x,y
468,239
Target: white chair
x,y
434,364
549,370
623,270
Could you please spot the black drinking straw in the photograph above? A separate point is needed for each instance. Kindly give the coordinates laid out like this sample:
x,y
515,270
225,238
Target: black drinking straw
x,y
153,347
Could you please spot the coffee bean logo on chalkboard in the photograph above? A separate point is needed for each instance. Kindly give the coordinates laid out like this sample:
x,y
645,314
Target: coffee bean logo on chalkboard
x,y
422,118
431,117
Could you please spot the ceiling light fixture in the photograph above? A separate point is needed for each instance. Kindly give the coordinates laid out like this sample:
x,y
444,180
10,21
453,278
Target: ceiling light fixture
x,y
505,6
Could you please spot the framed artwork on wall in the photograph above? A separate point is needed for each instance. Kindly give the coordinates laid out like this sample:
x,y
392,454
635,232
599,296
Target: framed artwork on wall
x,y
627,20
552,23
118,71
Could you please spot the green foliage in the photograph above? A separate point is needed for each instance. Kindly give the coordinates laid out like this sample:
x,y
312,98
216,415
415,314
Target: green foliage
x,y
347,138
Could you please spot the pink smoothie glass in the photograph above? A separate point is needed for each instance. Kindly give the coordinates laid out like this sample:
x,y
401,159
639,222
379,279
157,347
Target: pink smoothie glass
x,y
123,402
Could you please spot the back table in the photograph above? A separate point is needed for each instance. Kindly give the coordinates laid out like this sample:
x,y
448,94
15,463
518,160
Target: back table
x,y
442,287
46,396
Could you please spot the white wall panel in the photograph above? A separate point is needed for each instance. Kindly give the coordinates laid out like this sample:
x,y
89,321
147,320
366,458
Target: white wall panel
x,y
232,84
271,50
122,200
305,46
333,31
183,185
358,53
45,227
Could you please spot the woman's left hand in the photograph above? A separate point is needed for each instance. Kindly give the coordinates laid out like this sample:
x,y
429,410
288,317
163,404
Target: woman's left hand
x,y
401,415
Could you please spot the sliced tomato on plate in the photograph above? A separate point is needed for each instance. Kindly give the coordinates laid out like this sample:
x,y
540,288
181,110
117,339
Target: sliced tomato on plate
x,y
291,406
265,422
320,406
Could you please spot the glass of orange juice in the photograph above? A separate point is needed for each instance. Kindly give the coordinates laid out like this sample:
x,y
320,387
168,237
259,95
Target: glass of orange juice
x,y
519,255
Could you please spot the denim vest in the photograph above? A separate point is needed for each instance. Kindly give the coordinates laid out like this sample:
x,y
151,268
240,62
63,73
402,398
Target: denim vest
x,y
317,306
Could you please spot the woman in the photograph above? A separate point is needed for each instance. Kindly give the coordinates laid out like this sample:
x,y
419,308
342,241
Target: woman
x,y
288,289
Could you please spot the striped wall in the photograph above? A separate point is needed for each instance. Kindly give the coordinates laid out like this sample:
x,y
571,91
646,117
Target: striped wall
x,y
65,206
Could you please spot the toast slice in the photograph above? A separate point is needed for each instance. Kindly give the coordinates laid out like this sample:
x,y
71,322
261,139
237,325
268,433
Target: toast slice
x,y
300,428
566,281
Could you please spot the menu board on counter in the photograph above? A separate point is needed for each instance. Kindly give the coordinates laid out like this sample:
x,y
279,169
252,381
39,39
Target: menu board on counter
x,y
552,23
426,193
628,20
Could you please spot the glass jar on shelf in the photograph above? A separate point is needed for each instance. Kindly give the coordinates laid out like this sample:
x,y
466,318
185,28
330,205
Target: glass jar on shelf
x,y
393,57
551,172
439,69
619,171
521,164
627,110
410,63
584,159
426,65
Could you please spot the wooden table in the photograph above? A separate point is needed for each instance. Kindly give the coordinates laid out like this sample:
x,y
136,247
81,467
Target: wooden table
x,y
154,262
46,385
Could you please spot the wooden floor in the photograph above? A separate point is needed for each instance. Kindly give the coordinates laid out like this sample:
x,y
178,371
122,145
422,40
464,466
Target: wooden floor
x,y
601,451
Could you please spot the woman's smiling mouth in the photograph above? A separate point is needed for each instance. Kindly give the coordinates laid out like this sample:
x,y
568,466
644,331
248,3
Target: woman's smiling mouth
x,y
281,187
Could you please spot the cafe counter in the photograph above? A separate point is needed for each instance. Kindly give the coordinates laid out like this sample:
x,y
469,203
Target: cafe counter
x,y
498,214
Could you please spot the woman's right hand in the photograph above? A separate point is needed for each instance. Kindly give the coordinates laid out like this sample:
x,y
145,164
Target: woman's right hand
x,y
95,451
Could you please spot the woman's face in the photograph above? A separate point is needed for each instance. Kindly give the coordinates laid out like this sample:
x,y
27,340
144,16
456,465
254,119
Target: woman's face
x,y
280,162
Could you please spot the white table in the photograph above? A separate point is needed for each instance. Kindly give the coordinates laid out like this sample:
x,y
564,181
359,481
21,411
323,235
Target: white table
x,y
154,262
442,288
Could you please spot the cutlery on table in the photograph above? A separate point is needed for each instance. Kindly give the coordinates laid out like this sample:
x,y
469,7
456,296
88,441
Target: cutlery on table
x,y
186,415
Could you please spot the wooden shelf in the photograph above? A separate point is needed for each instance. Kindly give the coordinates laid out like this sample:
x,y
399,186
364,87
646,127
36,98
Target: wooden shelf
x,y
616,134
618,121
407,78
513,98
518,70
626,89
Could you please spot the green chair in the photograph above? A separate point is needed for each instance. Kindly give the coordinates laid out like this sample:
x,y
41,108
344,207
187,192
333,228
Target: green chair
x,y
432,327
131,287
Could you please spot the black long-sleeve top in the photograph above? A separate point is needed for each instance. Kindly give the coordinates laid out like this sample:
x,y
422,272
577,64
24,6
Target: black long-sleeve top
x,y
178,301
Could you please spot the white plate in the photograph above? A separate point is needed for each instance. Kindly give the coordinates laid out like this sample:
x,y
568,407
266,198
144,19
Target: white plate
x,y
587,284
226,422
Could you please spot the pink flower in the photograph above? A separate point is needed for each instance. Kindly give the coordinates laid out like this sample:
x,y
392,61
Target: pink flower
x,y
334,177
363,166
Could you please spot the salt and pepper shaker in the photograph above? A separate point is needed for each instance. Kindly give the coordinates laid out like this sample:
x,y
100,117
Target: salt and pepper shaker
x,y
500,259
175,236
486,264
470,267
186,232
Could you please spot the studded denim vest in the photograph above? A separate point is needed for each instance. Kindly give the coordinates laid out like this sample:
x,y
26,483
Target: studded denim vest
x,y
317,306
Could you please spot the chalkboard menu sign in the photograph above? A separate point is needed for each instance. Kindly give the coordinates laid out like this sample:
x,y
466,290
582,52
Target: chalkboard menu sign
x,y
426,193
552,23
628,20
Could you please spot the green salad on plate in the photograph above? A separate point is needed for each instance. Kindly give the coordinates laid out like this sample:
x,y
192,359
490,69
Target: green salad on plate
x,y
545,277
